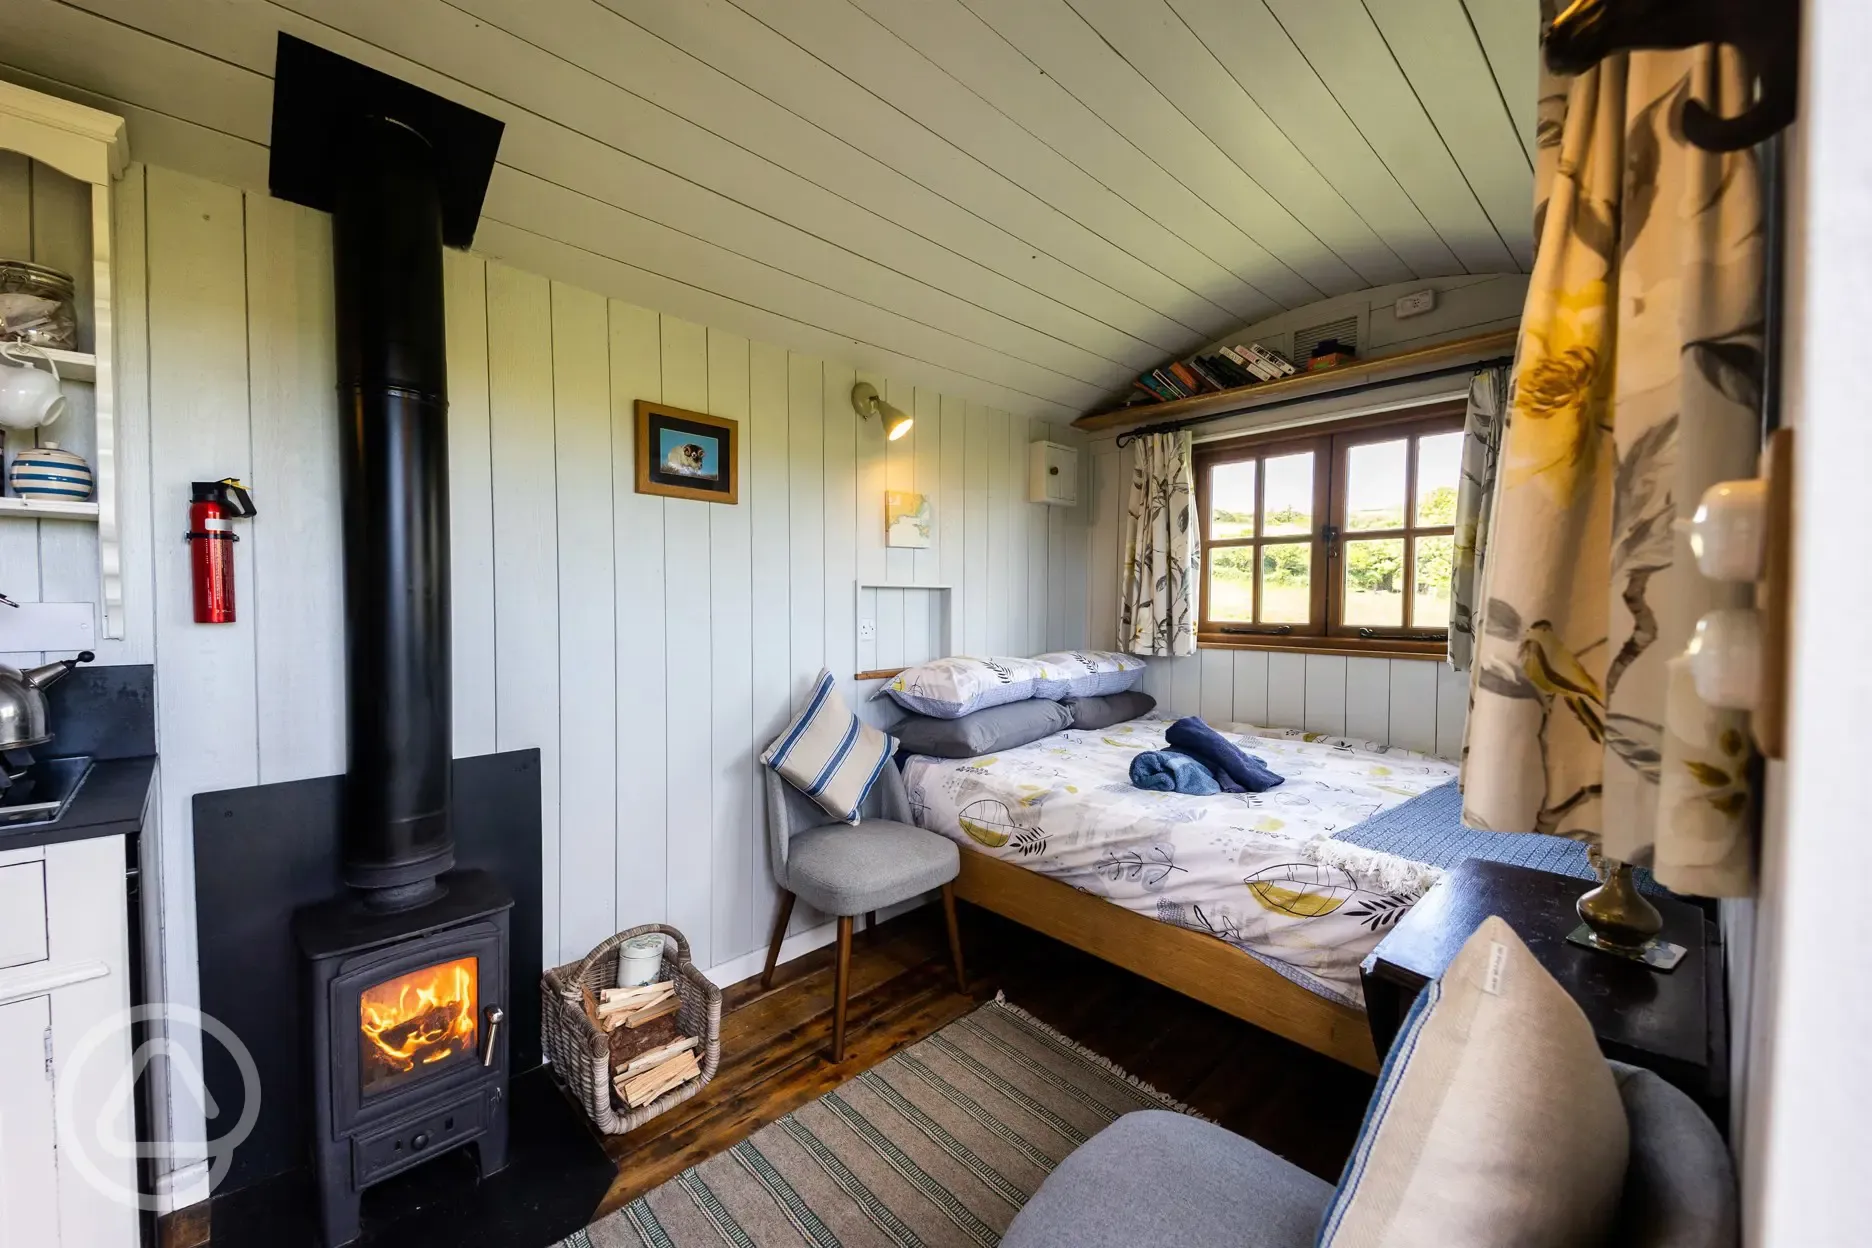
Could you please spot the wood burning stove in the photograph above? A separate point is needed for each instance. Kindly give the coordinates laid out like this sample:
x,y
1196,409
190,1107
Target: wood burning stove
x,y
406,977
408,1043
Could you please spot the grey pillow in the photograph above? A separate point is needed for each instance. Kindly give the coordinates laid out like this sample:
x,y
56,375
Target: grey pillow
x,y
981,732
1112,708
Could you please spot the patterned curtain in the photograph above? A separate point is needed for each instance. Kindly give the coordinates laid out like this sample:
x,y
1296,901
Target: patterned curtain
x,y
1475,497
1162,561
1637,385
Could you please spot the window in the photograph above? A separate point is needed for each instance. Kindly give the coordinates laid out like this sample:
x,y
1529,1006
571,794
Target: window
x,y
1341,538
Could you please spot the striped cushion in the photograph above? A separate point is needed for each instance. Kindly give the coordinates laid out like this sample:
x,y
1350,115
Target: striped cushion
x,y
829,754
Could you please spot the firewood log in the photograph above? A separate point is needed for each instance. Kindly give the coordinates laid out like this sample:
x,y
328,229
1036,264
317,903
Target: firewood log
x,y
437,1019
643,1011
657,1056
667,1005
614,998
646,1087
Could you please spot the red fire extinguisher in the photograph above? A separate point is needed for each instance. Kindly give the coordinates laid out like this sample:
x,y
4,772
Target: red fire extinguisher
x,y
212,505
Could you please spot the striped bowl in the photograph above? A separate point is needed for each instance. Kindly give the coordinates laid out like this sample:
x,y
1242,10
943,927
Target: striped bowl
x,y
46,472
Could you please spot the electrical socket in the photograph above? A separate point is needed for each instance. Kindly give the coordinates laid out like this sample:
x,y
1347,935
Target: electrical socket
x,y
867,630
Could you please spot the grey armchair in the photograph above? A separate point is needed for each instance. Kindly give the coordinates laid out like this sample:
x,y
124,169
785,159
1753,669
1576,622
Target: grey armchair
x,y
848,871
1160,1178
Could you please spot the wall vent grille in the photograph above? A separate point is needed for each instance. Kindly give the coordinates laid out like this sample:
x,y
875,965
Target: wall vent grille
x,y
1304,340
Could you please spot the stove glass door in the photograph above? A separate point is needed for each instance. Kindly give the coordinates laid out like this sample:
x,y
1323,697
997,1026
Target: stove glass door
x,y
418,1023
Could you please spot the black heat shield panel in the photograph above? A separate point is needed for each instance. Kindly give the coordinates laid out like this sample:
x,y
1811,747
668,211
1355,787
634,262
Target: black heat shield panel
x,y
318,95
260,854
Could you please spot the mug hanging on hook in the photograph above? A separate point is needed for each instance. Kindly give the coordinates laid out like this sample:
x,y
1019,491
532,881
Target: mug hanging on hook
x,y
29,399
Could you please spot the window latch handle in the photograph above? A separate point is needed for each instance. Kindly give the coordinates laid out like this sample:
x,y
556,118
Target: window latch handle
x,y
1330,535
1262,630
1370,634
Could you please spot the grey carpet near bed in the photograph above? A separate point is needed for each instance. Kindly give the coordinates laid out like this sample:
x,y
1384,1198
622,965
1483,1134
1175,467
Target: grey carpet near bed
x,y
939,1145
1429,828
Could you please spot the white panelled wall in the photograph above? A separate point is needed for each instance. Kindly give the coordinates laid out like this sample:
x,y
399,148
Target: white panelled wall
x,y
649,647
1417,704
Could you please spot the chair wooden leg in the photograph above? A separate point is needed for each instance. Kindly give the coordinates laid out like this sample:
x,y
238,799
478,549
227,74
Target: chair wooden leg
x,y
955,935
779,934
870,927
840,986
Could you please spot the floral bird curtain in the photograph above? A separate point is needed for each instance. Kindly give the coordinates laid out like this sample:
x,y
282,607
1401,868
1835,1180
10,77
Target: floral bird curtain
x,y
1475,494
1162,561
1636,386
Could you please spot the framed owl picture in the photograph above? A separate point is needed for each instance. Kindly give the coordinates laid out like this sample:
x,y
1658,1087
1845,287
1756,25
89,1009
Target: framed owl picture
x,y
684,454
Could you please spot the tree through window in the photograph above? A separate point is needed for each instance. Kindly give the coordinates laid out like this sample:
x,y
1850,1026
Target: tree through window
x,y
1344,533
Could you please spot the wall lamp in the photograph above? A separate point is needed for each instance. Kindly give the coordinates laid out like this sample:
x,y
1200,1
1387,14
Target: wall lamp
x,y
868,403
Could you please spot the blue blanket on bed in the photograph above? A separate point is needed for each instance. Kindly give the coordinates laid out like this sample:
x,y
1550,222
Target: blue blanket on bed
x,y
1429,828
1234,771
1167,771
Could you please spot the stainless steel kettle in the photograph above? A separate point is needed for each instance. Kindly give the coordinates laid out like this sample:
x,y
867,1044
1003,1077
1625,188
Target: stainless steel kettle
x,y
23,720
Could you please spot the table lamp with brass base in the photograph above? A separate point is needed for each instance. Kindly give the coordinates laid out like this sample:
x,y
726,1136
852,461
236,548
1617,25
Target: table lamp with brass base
x,y
1615,918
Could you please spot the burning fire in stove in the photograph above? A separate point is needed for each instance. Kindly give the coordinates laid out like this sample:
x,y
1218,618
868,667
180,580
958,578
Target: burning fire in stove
x,y
417,1020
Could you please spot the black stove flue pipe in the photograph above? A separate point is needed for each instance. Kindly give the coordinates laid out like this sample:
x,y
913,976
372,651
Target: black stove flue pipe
x,y
393,403
403,172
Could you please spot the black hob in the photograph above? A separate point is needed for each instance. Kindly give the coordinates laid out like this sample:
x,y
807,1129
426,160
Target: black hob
x,y
37,790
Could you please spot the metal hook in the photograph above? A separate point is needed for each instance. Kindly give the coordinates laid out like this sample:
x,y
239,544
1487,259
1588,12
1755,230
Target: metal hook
x,y
1767,36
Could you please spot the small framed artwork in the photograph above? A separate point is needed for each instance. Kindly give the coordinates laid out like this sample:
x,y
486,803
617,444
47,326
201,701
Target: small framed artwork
x,y
908,519
684,454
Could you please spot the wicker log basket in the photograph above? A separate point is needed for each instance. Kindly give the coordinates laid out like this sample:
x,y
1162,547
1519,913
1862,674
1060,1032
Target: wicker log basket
x,y
581,1052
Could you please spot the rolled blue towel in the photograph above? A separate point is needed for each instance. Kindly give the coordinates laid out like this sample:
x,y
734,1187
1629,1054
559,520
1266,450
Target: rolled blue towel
x,y
1167,771
1234,770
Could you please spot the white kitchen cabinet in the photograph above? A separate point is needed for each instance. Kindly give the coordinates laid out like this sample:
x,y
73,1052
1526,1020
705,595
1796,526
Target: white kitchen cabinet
x,y
67,1169
28,1143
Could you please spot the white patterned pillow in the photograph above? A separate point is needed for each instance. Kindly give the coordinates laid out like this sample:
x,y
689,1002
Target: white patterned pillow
x,y
953,687
829,754
1089,673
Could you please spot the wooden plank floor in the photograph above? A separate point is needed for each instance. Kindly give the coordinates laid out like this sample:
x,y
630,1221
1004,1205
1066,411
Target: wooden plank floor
x,y
776,1045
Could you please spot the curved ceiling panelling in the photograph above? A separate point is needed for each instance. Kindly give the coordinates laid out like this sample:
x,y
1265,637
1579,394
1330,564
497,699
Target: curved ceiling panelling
x,y
1022,201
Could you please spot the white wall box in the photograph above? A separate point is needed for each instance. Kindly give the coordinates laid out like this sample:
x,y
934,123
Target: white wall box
x,y
59,165
67,1177
1053,474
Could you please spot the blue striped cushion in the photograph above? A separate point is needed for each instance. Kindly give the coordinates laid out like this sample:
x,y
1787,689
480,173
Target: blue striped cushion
x,y
829,754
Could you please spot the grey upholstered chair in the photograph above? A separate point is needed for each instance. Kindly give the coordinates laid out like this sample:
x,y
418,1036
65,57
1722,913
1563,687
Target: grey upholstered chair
x,y
848,871
1160,1178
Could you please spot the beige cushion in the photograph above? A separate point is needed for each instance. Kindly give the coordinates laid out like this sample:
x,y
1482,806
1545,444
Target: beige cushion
x,y
1496,1121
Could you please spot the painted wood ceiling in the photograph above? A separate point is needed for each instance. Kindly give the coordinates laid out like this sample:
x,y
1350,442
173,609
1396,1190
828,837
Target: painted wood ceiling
x,y
1020,201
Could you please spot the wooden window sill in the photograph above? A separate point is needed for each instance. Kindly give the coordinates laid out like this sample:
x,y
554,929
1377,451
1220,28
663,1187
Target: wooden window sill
x,y
1373,648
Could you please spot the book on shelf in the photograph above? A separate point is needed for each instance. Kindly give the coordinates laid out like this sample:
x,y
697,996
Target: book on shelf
x,y
1280,364
1187,375
1226,368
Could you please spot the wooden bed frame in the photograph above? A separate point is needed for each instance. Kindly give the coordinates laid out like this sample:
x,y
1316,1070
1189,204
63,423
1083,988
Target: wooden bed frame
x,y
1193,963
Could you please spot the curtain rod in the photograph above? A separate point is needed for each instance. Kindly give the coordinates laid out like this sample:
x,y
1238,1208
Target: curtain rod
x,y
1173,426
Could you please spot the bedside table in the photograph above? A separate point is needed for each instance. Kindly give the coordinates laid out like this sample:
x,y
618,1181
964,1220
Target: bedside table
x,y
1672,1023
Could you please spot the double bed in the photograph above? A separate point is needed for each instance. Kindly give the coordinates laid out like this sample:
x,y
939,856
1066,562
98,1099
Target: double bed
x,y
1251,902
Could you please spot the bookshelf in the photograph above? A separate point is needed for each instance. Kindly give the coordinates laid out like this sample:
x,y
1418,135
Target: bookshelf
x,y
1398,367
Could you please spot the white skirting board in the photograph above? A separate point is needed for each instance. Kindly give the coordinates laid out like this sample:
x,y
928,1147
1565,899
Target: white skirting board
x,y
734,970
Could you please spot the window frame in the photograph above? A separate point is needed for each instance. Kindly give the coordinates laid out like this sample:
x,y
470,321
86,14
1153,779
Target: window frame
x,y
1331,443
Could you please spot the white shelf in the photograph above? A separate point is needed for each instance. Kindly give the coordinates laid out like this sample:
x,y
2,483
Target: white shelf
x,y
72,365
48,509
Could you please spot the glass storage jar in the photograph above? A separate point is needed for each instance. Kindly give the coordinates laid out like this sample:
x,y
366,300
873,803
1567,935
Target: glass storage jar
x,y
36,306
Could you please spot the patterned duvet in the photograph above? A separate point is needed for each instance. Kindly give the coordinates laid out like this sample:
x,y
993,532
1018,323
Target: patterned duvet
x,y
1257,870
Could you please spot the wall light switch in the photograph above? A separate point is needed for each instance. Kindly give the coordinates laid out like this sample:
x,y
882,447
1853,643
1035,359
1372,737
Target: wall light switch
x,y
867,630
1415,304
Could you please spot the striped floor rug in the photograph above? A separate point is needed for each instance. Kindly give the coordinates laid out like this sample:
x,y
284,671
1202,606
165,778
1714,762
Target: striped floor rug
x,y
939,1145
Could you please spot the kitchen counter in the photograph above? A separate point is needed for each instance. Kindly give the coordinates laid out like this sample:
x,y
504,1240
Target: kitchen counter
x,y
109,803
